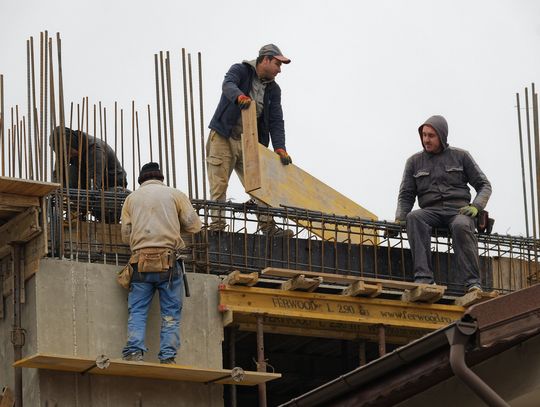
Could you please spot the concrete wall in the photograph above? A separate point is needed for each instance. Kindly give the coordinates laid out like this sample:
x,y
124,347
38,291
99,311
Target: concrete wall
x,y
78,309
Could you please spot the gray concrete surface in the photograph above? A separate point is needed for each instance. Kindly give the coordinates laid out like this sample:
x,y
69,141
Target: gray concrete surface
x,y
78,309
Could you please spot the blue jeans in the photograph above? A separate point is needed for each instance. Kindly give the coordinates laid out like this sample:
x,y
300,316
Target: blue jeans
x,y
171,290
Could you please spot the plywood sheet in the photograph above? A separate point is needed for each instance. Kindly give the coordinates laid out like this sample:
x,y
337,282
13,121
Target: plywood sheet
x,y
119,367
26,187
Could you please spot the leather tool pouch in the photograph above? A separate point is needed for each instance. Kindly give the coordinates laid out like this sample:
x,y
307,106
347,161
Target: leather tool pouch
x,y
153,260
123,277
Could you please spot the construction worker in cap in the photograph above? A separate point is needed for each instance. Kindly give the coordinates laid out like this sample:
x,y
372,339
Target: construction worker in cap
x,y
91,164
439,176
245,83
153,216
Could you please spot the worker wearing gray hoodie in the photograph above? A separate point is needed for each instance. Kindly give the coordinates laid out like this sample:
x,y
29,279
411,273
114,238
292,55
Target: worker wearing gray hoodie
x,y
439,176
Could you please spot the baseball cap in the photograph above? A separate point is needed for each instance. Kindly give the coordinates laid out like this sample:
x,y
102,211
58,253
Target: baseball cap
x,y
273,51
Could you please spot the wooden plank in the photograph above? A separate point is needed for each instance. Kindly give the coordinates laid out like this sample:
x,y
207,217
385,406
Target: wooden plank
x,y
21,228
17,200
475,297
341,279
424,293
301,283
238,278
7,398
118,367
26,187
250,149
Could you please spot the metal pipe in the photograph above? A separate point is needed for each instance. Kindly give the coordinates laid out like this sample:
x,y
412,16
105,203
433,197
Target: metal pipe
x,y
382,340
458,338
17,333
522,166
261,363
232,362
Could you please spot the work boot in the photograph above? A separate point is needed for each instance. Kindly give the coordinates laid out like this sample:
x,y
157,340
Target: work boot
x,y
424,280
474,287
136,356
168,361
270,229
217,226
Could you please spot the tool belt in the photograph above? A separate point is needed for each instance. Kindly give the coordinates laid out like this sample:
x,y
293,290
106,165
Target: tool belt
x,y
153,259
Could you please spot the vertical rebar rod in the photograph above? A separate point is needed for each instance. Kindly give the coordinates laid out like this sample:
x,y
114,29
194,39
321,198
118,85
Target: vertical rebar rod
x,y
158,112
150,133
28,88
2,125
138,140
33,124
261,363
41,98
133,137
530,147
45,106
522,166
164,111
171,127
534,96
201,116
186,123
192,117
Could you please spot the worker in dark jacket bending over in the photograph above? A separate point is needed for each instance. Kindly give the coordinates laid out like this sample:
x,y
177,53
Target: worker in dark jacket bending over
x,y
438,176
245,83
85,162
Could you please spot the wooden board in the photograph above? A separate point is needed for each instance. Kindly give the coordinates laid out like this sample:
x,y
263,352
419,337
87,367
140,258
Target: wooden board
x,y
289,185
250,145
26,187
341,279
120,367
7,398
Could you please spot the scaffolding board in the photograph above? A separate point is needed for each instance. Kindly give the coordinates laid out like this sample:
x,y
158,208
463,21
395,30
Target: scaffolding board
x,y
117,367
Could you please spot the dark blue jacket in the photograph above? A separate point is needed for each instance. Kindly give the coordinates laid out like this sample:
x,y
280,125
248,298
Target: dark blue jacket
x,y
238,81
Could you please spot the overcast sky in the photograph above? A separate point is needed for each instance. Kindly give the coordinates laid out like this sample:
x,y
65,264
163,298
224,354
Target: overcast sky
x,y
363,76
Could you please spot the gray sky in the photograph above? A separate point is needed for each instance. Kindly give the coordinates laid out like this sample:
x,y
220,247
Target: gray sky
x,y
363,76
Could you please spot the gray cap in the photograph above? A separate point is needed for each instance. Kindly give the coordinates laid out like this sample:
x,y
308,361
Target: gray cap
x,y
273,51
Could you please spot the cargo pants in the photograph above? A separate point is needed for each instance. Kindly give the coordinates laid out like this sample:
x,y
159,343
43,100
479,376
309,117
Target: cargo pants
x,y
223,155
419,226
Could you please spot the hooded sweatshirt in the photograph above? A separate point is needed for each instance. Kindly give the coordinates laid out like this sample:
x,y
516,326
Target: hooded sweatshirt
x,y
441,179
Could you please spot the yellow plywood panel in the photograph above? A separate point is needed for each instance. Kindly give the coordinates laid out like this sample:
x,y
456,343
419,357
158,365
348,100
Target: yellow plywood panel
x,y
277,185
26,187
119,367
337,308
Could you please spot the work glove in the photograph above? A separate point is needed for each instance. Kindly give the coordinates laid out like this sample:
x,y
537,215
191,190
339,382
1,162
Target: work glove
x,y
243,101
469,210
284,157
392,232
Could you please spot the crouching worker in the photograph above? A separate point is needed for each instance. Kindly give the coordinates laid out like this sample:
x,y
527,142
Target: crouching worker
x,y
152,218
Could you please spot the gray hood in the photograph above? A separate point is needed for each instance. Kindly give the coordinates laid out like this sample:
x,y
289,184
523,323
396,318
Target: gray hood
x,y
441,127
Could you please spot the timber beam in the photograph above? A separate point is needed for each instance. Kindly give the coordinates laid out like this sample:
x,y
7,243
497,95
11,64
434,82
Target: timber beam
x,y
325,315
